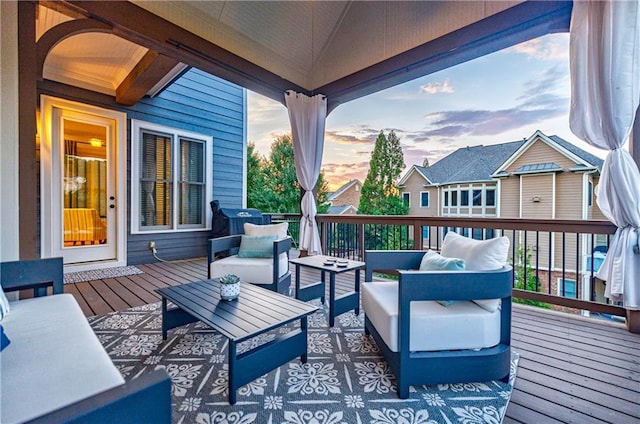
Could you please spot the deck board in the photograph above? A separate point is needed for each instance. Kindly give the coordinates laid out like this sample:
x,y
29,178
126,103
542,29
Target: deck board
x,y
572,369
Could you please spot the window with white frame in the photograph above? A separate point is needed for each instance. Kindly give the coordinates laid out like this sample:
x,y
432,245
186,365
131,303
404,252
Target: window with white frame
x,y
424,199
464,198
406,198
490,197
171,178
477,197
590,194
567,288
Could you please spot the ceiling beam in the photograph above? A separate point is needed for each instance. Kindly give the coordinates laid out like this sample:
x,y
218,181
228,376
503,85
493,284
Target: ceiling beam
x,y
146,74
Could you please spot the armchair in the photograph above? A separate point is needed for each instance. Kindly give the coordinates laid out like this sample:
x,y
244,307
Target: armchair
x,y
426,340
269,272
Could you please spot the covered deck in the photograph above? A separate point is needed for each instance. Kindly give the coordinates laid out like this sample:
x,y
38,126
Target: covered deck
x,y
572,369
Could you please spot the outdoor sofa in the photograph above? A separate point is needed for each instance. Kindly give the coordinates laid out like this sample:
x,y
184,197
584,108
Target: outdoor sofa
x,y
54,368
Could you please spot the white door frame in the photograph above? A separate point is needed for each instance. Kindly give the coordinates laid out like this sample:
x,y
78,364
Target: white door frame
x,y
51,215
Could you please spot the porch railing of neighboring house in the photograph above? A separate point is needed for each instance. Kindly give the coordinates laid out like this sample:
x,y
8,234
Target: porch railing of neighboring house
x,y
554,261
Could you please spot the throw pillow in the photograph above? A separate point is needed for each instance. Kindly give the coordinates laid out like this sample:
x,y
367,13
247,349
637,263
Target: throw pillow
x,y
4,305
478,255
4,340
433,261
279,230
256,246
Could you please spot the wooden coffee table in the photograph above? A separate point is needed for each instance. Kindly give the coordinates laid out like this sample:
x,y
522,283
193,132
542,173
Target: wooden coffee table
x,y
255,312
337,305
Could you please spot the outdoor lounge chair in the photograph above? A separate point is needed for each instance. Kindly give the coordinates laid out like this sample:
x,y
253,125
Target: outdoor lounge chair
x,y
436,327
265,262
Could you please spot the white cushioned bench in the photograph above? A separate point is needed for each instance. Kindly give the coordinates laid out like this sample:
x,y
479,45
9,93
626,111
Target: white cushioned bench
x,y
54,358
53,368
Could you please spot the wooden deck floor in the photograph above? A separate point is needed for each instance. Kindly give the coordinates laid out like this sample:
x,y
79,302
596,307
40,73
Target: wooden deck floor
x,y
572,369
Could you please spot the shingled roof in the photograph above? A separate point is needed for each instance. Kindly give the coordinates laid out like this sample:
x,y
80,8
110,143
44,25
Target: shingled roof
x,y
469,164
584,155
479,163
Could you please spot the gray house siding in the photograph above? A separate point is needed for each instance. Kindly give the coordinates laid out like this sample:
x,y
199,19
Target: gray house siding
x,y
204,104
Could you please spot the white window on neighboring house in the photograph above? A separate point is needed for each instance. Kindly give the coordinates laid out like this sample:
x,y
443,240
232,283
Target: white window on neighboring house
x,y
406,198
424,199
567,288
590,194
171,179
490,197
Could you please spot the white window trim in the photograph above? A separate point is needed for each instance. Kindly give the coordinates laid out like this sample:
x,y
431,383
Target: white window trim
x,y
559,287
428,199
136,127
408,193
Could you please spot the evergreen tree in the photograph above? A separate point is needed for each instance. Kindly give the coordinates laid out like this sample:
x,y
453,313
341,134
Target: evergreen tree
x,y
380,194
272,184
256,178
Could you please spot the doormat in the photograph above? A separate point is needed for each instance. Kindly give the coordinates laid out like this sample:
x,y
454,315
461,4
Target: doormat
x,y
100,274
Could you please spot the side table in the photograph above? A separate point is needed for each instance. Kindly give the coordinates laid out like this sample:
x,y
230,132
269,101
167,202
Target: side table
x,y
326,264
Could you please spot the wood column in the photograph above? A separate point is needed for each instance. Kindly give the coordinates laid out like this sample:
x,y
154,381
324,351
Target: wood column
x,y
27,105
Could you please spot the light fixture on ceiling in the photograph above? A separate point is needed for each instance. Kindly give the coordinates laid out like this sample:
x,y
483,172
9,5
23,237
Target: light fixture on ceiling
x,y
95,142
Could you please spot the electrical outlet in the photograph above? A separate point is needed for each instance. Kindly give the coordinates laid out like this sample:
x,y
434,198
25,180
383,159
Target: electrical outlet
x,y
152,245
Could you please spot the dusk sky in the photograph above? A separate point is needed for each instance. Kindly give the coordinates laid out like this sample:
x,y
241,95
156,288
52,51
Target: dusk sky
x,y
502,97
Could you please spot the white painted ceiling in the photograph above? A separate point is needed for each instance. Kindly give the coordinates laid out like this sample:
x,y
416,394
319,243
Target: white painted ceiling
x,y
312,43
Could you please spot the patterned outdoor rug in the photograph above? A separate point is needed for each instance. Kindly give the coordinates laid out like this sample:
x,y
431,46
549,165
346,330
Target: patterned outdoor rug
x,y
100,274
345,380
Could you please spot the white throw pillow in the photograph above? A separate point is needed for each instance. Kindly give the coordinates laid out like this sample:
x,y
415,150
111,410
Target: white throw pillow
x,y
478,255
279,230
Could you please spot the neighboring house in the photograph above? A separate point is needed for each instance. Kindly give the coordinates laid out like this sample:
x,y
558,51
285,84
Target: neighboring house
x,y
146,172
346,199
542,177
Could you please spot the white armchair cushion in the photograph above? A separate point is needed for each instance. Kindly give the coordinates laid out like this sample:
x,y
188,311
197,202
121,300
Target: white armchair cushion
x,y
478,255
251,270
433,327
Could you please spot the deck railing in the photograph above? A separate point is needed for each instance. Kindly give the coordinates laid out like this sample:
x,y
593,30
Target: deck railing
x,y
554,261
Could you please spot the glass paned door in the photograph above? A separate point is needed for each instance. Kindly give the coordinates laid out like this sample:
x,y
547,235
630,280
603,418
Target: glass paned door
x,y
84,189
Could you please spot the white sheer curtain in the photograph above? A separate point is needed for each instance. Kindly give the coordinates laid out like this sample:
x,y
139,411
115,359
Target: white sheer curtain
x,y
307,116
605,93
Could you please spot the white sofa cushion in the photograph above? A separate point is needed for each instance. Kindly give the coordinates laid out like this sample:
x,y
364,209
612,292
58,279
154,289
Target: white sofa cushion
x,y
54,359
462,325
251,270
478,255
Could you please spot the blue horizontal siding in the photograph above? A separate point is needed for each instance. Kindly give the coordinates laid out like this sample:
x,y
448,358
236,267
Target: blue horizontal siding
x,y
201,103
